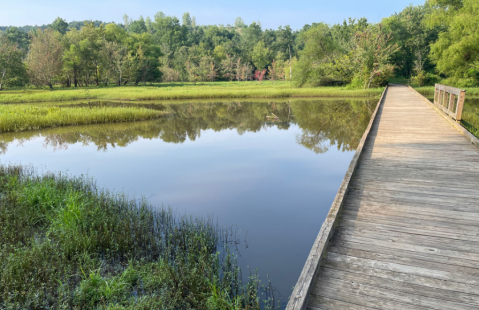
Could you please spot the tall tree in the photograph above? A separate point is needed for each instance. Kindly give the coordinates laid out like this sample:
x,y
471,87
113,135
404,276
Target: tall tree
x,y
456,52
187,21
138,26
11,65
261,55
44,60
373,53
227,67
60,25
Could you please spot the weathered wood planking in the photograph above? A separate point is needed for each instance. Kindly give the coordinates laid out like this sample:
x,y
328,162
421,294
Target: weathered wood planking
x,y
450,100
403,231
302,289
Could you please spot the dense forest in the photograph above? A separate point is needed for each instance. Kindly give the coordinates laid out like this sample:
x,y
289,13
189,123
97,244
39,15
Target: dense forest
x,y
424,44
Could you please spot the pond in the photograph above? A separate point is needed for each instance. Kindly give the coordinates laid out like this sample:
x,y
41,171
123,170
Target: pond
x,y
268,169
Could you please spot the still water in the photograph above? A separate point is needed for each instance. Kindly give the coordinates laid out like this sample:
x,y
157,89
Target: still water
x,y
268,169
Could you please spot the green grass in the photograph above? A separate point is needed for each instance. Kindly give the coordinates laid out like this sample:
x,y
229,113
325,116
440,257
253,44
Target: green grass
x,y
19,117
67,244
470,116
175,91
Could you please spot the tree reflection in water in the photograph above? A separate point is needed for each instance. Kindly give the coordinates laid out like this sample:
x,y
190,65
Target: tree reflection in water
x,y
324,123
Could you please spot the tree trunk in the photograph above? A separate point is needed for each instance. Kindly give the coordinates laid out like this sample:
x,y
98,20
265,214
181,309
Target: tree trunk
x,y
290,65
75,76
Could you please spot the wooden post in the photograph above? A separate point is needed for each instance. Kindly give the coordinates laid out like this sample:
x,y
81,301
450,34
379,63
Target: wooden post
x,y
435,94
444,98
452,101
460,105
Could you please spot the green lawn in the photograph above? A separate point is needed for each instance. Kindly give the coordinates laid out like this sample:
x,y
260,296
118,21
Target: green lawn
x,y
175,91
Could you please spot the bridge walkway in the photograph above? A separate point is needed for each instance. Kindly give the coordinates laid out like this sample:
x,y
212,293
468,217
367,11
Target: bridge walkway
x,y
407,235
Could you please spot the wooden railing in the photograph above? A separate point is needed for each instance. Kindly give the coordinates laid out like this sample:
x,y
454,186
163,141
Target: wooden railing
x,y
450,100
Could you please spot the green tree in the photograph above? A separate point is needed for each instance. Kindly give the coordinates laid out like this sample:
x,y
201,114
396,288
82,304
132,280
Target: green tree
x,y
456,52
187,21
322,61
16,37
261,55
12,70
413,37
227,67
239,22
373,53
144,55
138,26
60,25
44,59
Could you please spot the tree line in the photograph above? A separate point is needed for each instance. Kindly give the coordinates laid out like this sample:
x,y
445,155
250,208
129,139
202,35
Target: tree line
x,y
424,43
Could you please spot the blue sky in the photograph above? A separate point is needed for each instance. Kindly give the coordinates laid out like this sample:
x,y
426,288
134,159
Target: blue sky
x,y
272,14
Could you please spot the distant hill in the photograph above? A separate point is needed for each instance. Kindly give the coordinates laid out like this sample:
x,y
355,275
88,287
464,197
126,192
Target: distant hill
x,y
71,25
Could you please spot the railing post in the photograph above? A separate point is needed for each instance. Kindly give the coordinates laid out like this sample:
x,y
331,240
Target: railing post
x,y
452,101
460,105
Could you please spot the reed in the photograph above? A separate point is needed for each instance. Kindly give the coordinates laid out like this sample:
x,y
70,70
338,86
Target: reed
x,y
67,244
28,117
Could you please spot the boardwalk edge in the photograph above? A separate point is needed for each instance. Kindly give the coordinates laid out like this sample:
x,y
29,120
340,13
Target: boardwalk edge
x,y
299,297
469,136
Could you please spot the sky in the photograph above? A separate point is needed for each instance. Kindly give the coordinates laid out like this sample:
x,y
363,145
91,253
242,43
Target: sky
x,y
271,14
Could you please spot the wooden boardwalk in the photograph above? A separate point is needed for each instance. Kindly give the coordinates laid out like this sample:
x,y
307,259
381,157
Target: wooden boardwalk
x,y
407,233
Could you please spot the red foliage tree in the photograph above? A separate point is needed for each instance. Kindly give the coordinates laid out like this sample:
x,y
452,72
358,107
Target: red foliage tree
x,y
259,75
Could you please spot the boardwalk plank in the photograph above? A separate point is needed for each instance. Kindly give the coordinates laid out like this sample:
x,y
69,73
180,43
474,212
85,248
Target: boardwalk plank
x,y
408,233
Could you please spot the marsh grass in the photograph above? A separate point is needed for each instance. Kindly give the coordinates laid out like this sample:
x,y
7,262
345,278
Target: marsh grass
x,y
67,244
174,91
28,117
470,116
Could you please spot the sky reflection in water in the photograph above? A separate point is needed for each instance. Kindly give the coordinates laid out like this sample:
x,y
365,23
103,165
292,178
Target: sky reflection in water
x,y
274,179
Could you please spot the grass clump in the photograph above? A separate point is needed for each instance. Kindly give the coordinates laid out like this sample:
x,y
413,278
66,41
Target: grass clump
x,y
66,244
28,117
470,116
174,91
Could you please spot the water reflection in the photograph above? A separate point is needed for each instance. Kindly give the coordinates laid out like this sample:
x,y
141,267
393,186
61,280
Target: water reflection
x,y
324,123
273,177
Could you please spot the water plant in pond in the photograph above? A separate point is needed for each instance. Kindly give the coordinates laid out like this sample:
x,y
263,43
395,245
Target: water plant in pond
x,y
67,244
28,117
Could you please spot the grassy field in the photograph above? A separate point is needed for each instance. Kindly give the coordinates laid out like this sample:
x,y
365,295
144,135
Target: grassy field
x,y
19,117
183,91
66,244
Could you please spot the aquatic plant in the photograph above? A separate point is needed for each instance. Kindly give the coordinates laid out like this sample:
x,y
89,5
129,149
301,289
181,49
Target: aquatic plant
x,y
27,117
67,244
